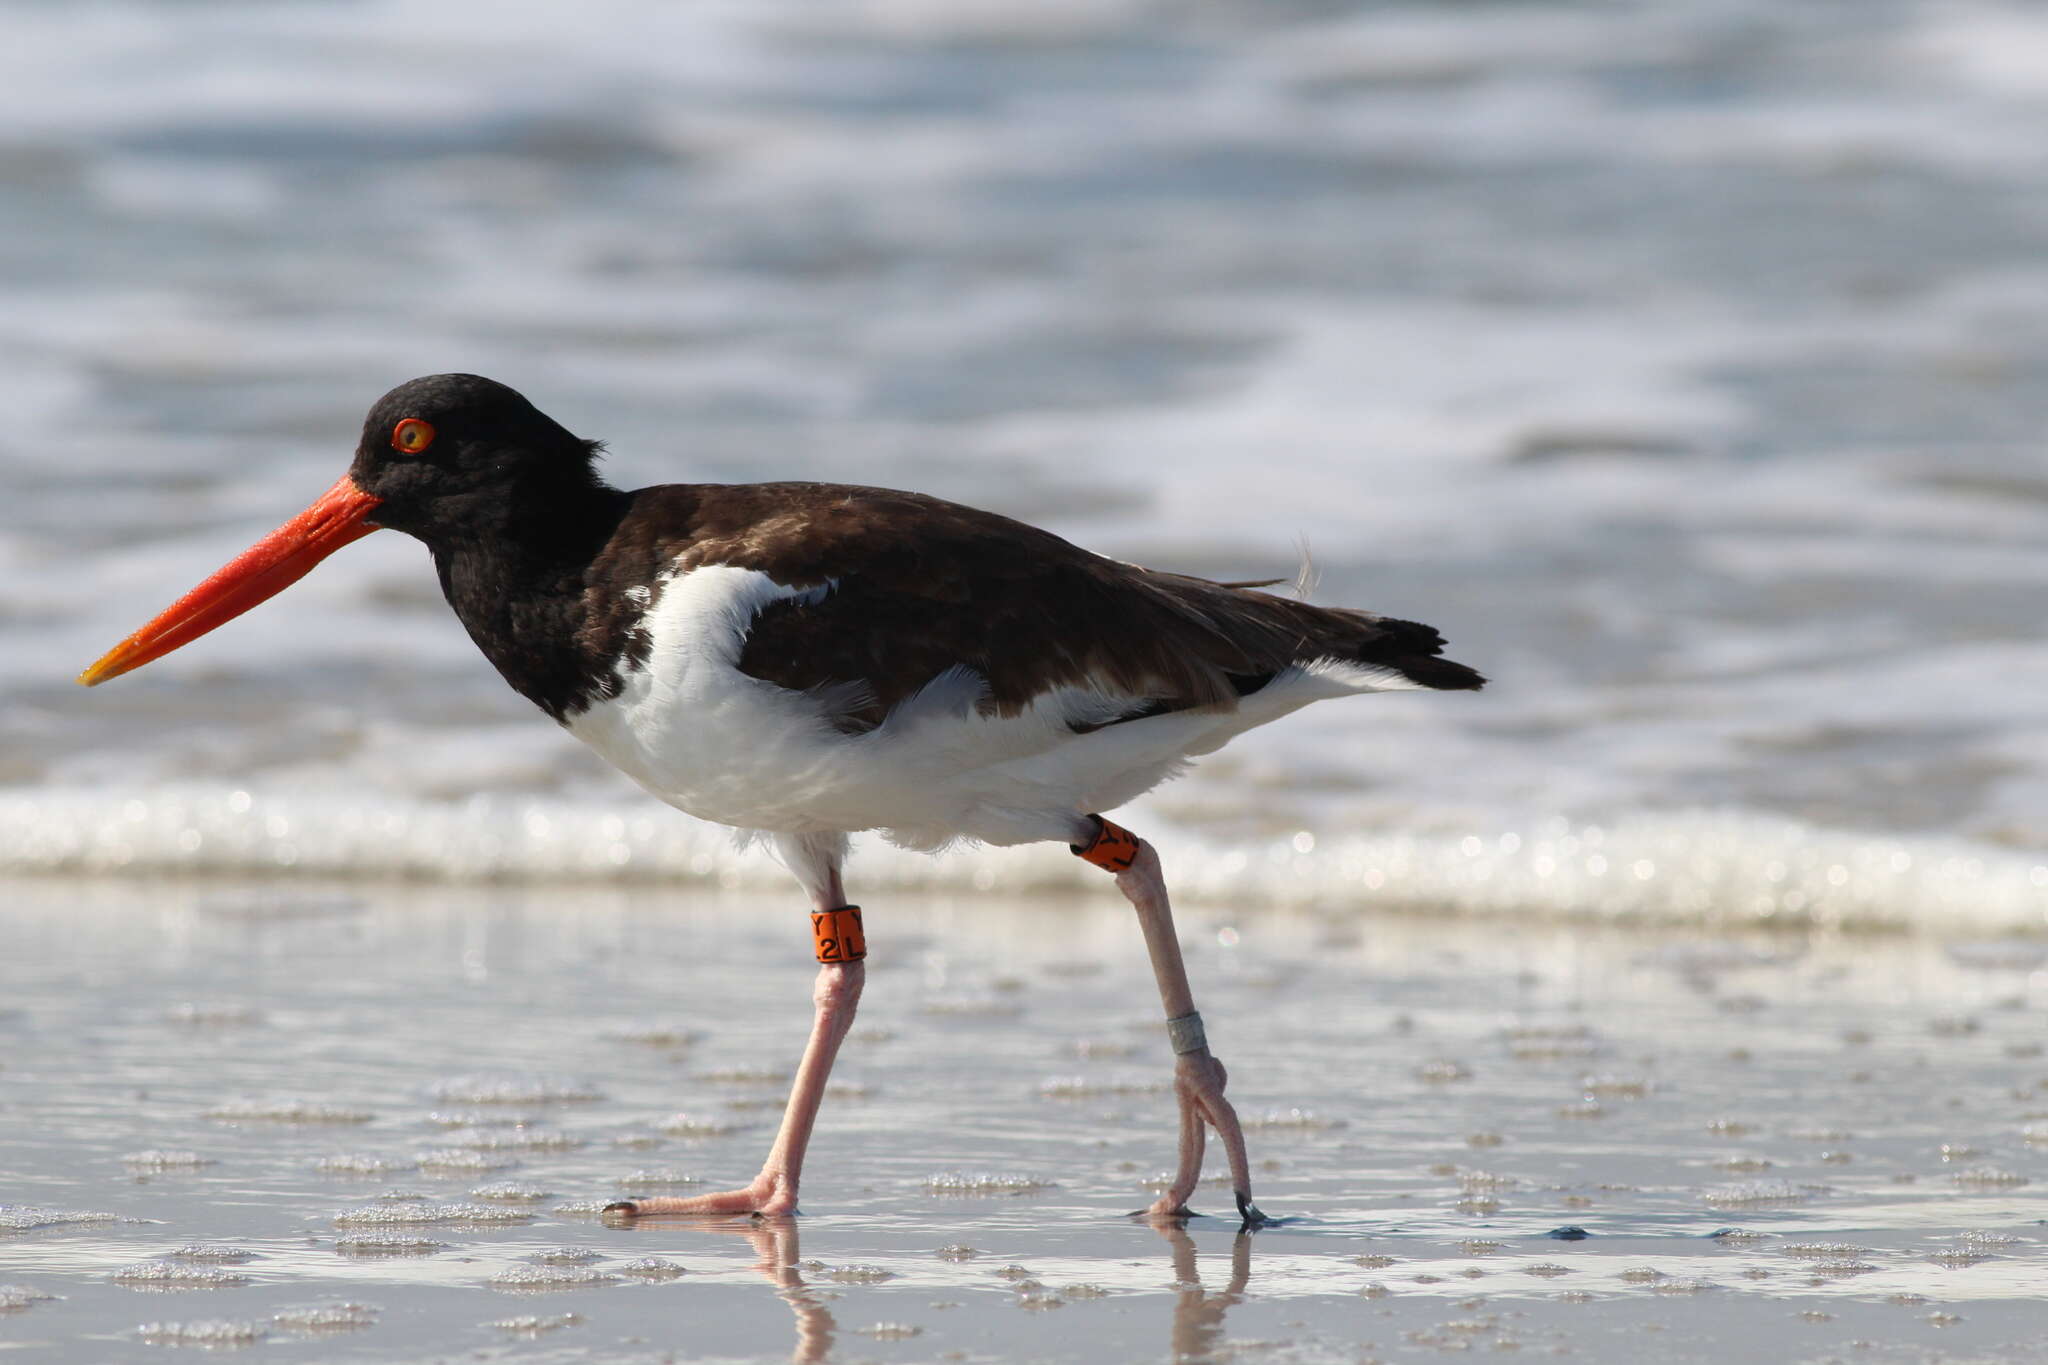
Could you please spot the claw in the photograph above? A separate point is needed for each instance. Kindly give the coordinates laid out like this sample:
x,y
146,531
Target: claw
x,y
1247,1210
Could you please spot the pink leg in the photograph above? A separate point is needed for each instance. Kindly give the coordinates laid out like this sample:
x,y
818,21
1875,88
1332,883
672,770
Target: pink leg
x,y
1198,1077
773,1191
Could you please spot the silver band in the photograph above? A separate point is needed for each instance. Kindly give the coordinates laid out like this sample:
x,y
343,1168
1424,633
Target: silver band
x,y
1185,1033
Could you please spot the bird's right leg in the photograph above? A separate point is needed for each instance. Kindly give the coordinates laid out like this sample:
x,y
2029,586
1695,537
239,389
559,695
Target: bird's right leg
x,y
1198,1076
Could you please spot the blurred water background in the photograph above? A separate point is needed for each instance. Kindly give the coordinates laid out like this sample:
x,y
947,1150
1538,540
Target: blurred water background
x,y
1682,361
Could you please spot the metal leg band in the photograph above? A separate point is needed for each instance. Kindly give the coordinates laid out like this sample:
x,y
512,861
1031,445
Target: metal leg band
x,y
839,934
1185,1033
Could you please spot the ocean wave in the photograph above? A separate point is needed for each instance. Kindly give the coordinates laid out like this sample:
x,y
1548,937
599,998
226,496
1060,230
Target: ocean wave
x,y
1713,868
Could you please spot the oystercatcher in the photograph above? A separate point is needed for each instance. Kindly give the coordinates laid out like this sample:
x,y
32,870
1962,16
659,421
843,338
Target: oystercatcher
x,y
811,660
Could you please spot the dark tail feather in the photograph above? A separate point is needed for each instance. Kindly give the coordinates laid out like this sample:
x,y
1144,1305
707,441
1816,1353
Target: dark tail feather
x,y
1442,674
1417,651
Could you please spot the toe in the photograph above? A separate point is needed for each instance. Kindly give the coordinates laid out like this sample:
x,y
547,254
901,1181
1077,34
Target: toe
x,y
1249,1212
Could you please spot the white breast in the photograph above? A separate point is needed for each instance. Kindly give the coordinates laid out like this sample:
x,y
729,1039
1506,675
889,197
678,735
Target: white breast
x,y
694,730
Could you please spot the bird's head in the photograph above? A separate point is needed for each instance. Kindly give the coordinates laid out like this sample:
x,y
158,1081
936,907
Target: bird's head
x,y
457,455
441,458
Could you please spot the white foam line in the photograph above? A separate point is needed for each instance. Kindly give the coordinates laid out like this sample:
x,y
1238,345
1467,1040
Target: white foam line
x,y
1711,868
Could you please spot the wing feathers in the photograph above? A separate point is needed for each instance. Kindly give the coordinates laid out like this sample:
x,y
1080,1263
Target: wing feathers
x,y
915,587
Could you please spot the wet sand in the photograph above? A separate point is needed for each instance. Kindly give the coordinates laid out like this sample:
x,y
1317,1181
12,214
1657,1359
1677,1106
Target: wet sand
x,y
376,1123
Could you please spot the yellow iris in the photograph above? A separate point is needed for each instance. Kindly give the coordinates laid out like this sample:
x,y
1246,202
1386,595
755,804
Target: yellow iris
x,y
412,436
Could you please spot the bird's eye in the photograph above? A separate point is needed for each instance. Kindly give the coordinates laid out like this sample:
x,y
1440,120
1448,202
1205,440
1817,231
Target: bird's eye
x,y
412,436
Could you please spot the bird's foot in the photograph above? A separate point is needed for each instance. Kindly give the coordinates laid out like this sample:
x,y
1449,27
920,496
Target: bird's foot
x,y
767,1196
1165,1209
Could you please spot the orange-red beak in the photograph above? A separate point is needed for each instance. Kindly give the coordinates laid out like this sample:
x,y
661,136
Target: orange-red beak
x,y
259,573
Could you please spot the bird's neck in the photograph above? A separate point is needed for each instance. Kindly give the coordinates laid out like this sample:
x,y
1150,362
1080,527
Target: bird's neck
x,y
522,588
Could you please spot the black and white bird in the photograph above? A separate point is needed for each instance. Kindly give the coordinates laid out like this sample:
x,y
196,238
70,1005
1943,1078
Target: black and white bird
x,y
813,660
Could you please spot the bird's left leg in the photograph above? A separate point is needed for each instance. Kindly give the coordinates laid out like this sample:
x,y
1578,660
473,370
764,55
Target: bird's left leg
x,y
841,973
1198,1076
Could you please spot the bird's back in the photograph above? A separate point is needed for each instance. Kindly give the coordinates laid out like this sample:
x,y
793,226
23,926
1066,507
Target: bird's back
x,y
916,586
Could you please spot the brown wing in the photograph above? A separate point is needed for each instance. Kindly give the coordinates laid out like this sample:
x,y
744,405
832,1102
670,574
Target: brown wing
x,y
920,586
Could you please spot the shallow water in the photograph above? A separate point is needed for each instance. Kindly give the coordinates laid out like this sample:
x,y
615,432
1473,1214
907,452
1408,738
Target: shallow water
x,y
414,1101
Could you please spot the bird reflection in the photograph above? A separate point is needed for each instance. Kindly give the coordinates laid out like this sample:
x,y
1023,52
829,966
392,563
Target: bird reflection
x,y
1194,1335
1197,1331
775,1242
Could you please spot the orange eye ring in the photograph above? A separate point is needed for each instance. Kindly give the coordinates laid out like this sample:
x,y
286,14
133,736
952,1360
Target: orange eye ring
x,y
412,436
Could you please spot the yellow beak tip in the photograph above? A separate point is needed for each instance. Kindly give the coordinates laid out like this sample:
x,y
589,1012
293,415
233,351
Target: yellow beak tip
x,y
101,670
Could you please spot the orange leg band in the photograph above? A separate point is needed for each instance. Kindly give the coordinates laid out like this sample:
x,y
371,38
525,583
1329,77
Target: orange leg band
x,y
840,937
1113,849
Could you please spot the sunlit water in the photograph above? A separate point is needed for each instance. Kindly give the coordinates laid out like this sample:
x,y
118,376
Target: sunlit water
x,y
244,1104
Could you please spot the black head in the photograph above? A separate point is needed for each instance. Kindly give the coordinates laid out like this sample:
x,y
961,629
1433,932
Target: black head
x,y
450,456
